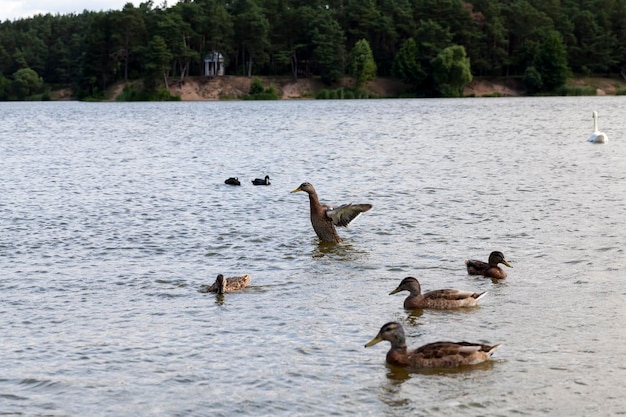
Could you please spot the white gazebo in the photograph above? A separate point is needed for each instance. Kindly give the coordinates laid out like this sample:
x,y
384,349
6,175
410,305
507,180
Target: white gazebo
x,y
213,64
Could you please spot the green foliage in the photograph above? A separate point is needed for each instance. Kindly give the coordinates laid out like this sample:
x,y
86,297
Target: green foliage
x,y
494,94
157,56
343,94
432,38
327,41
452,71
551,62
259,92
256,87
26,84
532,80
91,51
406,64
252,33
577,91
362,65
132,93
4,87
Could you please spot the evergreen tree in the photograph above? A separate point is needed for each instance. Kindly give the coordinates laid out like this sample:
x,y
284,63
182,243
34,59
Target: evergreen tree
x,y
129,35
252,33
551,62
362,65
158,59
328,42
406,65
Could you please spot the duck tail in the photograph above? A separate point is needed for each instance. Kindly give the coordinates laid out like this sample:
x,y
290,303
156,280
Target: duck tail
x,y
480,295
493,349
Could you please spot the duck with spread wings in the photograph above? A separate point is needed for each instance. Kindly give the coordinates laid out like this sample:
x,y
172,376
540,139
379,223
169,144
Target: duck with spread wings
x,y
324,218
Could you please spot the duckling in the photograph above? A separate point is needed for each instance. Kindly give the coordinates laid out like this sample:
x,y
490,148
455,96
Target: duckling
x,y
259,181
324,218
488,269
439,299
232,181
432,355
225,285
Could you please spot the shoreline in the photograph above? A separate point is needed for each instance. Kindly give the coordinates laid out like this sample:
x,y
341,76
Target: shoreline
x,y
232,87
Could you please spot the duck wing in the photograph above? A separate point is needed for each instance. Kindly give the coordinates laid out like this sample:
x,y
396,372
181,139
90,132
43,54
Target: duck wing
x,y
344,214
237,283
444,349
475,267
452,295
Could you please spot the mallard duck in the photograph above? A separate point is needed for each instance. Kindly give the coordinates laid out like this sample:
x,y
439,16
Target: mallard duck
x,y
324,218
432,355
224,285
597,136
232,181
439,299
490,268
259,181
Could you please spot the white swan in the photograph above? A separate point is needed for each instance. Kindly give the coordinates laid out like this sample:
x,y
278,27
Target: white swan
x,y
597,137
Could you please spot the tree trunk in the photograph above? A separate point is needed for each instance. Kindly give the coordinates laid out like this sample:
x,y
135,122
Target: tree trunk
x,y
183,71
294,66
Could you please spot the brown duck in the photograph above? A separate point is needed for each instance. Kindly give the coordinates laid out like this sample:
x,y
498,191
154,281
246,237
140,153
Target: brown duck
x,y
224,285
439,299
324,218
490,268
432,355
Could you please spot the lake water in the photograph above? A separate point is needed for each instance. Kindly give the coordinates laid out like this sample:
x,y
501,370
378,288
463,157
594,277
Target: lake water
x,y
113,215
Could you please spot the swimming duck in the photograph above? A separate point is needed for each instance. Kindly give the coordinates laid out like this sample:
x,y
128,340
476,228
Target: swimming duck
x,y
232,181
432,355
490,268
597,136
259,181
324,218
439,299
225,285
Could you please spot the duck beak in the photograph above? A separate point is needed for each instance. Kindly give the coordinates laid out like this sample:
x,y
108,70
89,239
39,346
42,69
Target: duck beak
x,y
397,290
296,190
506,263
375,340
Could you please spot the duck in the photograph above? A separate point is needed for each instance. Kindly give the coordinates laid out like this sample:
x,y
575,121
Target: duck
x,y
437,299
232,181
489,269
431,355
597,136
324,218
259,181
224,285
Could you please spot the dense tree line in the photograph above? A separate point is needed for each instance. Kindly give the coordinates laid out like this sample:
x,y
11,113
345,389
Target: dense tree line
x,y
435,45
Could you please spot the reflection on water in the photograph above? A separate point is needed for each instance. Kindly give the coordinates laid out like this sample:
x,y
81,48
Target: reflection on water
x,y
219,299
345,251
413,317
114,215
397,375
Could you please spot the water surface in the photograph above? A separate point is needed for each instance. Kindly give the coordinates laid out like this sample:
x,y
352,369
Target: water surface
x,y
113,215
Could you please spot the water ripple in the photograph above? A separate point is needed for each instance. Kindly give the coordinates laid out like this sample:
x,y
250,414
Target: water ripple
x,y
112,220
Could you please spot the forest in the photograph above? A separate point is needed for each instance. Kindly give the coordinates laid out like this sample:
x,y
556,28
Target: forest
x,y
436,46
